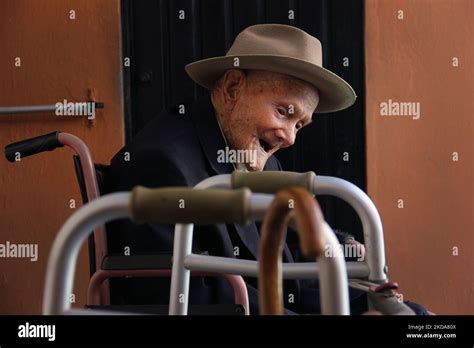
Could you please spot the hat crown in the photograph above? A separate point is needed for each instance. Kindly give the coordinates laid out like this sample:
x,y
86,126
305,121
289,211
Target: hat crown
x,y
278,40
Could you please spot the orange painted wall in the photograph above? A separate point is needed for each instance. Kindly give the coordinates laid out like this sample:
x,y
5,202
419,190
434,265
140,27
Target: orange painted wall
x,y
411,60
61,58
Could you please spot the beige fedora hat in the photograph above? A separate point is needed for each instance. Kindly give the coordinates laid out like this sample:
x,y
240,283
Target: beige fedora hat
x,y
283,49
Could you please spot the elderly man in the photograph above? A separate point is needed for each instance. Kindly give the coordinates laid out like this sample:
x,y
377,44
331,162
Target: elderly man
x,y
262,93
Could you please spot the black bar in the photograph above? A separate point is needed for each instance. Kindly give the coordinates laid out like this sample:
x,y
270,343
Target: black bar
x,y
290,330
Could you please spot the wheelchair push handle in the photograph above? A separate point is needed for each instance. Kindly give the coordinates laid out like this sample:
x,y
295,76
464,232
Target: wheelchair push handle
x,y
183,205
272,181
32,146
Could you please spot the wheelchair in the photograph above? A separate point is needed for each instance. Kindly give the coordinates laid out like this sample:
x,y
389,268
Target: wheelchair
x,y
103,266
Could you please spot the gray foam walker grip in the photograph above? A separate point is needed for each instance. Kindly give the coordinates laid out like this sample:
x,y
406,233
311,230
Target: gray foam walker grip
x,y
271,181
172,205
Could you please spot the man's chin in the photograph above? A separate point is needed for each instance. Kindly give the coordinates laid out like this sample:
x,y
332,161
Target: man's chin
x,y
256,167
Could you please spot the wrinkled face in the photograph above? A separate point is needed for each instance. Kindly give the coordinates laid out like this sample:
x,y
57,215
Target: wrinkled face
x,y
266,112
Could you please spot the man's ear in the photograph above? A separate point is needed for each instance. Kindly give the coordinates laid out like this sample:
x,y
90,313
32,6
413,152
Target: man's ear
x,y
232,87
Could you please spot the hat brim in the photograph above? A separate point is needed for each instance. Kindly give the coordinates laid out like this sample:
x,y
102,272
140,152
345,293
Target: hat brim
x,y
335,93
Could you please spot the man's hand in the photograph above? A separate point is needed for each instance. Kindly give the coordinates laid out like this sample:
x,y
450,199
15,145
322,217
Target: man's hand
x,y
360,246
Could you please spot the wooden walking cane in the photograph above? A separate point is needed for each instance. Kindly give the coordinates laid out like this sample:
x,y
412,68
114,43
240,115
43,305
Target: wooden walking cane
x,y
299,204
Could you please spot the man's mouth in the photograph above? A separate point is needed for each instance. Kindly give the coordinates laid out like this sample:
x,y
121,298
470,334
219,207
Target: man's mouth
x,y
266,147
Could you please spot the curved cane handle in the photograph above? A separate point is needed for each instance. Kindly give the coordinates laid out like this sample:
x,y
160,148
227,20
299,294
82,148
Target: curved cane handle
x,y
292,202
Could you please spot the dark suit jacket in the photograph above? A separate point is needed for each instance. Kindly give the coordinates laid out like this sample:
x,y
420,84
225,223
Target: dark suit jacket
x,y
181,150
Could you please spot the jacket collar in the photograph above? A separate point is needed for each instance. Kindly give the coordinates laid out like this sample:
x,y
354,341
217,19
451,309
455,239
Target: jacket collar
x,y
209,133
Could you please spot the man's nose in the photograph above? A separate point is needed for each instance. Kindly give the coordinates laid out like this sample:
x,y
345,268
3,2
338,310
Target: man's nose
x,y
286,136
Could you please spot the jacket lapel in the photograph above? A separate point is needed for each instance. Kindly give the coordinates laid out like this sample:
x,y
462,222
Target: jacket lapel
x,y
209,134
